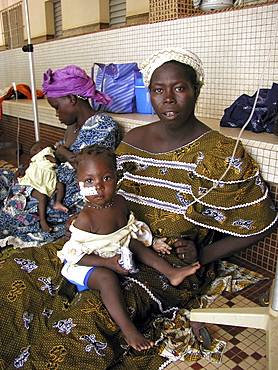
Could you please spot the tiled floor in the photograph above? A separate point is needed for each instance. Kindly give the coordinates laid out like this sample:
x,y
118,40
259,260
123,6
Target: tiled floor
x,y
246,348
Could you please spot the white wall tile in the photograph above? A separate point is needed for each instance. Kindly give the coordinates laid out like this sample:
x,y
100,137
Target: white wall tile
x,y
233,46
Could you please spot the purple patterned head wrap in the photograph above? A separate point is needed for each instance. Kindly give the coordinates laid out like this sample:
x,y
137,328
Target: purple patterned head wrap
x,y
72,80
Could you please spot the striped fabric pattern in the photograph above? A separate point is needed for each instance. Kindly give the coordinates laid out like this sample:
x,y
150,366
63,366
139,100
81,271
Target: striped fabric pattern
x,y
118,81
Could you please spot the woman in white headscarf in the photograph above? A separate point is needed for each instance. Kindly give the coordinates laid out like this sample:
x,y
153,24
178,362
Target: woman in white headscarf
x,y
182,178
186,181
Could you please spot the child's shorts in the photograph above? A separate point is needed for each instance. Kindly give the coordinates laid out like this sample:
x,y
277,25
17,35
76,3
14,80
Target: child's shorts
x,y
78,275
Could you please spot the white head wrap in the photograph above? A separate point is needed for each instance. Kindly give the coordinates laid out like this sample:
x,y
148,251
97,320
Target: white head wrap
x,y
166,55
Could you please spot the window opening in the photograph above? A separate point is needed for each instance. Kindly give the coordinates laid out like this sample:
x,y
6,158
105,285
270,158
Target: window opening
x,y
12,25
117,13
57,12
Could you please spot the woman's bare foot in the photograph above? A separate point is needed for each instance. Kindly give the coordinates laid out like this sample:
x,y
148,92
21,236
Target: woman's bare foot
x,y
45,226
137,340
60,207
179,274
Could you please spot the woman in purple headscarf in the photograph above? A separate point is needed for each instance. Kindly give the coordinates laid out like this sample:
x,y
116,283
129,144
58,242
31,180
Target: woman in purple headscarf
x,y
68,91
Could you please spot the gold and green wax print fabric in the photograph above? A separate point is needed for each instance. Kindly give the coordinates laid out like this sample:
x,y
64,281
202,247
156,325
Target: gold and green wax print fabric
x,y
164,191
46,324
171,191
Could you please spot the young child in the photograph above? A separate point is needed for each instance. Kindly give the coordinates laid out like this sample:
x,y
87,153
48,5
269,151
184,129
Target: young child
x,y
41,178
102,229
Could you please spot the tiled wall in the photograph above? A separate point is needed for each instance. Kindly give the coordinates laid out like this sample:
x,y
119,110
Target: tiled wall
x,y
265,253
233,45
266,155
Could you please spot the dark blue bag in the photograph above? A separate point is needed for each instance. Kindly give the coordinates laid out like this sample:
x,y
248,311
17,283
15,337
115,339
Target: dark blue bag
x,y
264,115
117,81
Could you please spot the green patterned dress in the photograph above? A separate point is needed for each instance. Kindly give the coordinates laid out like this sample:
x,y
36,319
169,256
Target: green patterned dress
x,y
178,195
172,192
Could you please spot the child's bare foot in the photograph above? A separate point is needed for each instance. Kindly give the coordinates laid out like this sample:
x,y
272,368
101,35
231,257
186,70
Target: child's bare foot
x,y
137,340
60,207
45,226
179,274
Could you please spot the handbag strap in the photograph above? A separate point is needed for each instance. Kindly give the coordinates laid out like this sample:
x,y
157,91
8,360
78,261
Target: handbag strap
x,y
103,67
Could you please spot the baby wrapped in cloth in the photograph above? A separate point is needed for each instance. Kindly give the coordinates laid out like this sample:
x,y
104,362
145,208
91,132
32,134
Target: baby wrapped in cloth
x,y
83,242
41,174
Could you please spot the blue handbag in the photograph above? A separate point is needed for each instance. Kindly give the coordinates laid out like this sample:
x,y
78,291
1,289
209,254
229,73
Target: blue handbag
x,y
117,81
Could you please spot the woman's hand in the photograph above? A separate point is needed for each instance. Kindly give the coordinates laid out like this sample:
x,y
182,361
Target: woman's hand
x,y
61,153
20,172
186,250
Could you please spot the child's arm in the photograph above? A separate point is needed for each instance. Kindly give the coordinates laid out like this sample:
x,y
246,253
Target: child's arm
x,y
110,263
51,159
69,221
84,222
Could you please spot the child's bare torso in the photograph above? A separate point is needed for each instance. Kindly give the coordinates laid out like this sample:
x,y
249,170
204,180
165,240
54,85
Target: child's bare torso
x,y
104,220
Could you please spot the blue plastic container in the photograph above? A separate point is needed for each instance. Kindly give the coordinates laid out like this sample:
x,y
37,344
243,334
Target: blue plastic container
x,y
143,99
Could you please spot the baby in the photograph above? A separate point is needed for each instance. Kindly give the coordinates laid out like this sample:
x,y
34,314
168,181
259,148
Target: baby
x,y
103,237
41,178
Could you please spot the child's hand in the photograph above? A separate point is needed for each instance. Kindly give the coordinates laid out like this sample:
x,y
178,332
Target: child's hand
x,y
161,247
113,264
